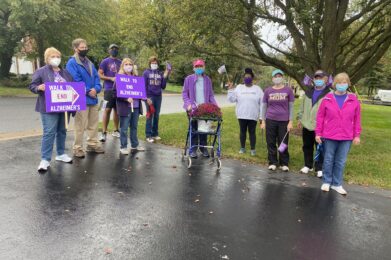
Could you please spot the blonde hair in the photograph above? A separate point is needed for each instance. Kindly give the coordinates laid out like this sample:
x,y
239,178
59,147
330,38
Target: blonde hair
x,y
340,77
121,68
151,59
49,52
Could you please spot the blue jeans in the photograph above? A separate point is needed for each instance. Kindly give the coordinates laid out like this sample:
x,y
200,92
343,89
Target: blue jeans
x,y
152,124
130,121
53,128
335,154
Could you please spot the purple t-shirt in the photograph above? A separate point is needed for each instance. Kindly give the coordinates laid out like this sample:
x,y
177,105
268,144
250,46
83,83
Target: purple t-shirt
x,y
277,102
340,99
110,67
316,94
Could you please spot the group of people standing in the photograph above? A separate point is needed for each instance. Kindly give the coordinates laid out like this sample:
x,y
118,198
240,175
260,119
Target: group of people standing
x,y
126,110
329,115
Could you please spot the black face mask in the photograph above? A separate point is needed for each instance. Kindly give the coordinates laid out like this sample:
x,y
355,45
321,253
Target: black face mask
x,y
83,53
114,52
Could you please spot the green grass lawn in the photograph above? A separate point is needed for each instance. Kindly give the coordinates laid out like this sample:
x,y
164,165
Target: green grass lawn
x,y
10,91
172,88
367,164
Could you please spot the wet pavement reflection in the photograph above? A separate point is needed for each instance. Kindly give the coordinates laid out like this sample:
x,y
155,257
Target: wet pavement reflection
x,y
148,205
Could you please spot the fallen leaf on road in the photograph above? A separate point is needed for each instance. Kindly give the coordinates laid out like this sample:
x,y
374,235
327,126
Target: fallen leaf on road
x,y
67,210
215,248
211,212
145,224
120,192
108,251
68,187
303,184
174,166
299,220
197,200
224,257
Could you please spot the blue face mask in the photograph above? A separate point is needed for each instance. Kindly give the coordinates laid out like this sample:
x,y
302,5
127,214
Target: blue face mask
x,y
319,82
342,87
199,71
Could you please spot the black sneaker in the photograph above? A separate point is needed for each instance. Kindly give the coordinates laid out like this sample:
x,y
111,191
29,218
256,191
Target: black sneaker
x,y
103,137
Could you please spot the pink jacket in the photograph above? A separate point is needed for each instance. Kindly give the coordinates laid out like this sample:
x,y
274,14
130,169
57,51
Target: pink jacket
x,y
339,124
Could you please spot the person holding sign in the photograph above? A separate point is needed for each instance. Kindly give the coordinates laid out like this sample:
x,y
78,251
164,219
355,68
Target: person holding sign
x,y
155,82
129,110
83,70
53,123
277,116
248,99
197,89
108,68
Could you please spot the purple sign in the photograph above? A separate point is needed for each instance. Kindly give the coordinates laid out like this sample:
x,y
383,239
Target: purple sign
x,y
130,86
65,96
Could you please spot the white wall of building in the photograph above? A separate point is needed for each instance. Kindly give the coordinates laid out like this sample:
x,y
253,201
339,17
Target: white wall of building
x,y
20,65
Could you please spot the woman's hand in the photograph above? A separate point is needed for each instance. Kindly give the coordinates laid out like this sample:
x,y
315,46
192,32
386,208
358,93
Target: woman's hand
x,y
356,140
263,124
230,85
290,126
149,101
41,87
299,125
130,100
318,139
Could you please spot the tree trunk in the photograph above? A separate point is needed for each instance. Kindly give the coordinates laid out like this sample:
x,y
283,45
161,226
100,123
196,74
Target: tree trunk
x,y
5,64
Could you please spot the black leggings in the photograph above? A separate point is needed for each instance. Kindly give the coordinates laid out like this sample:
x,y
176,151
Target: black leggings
x,y
251,125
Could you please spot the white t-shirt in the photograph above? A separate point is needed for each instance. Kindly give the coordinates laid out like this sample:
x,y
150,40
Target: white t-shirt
x,y
248,101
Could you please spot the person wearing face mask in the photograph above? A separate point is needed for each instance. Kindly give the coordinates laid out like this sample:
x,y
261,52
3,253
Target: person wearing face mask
x,y
277,116
248,98
155,82
53,123
83,70
128,118
108,68
338,124
197,89
307,121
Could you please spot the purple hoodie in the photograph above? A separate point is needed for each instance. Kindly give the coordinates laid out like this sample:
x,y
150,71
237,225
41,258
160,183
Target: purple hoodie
x,y
154,82
43,75
189,91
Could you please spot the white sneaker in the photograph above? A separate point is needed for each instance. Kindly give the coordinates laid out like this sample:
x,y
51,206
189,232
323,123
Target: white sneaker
x,y
43,166
325,187
339,189
284,168
242,150
272,167
150,140
305,170
124,151
319,174
63,158
139,148
116,134
157,138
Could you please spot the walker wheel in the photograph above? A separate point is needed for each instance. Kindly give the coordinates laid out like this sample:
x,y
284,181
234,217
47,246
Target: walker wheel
x,y
218,164
188,162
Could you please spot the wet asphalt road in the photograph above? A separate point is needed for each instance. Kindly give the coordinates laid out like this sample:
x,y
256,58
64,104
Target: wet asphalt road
x,y
18,114
150,206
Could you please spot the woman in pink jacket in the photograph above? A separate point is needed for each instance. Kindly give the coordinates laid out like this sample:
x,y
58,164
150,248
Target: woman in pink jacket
x,y
338,124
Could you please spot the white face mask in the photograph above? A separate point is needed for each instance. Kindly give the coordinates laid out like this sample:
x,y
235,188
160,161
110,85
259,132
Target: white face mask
x,y
128,68
277,80
55,62
154,66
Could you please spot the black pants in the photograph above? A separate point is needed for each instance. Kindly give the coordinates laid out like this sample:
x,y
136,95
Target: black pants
x,y
275,132
197,139
251,125
309,144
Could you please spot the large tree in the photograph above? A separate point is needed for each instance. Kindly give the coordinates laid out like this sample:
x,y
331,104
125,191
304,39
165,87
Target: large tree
x,y
334,35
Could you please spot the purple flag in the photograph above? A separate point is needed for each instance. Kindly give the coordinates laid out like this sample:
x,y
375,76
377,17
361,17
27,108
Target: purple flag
x,y
65,96
130,86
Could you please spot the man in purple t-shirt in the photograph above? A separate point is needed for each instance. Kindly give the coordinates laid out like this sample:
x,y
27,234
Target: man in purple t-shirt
x,y
277,116
108,68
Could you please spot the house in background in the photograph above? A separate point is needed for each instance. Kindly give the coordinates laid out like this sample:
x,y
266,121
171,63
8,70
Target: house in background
x,y
21,64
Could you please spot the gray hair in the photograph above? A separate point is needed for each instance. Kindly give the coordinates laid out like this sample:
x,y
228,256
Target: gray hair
x,y
77,42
